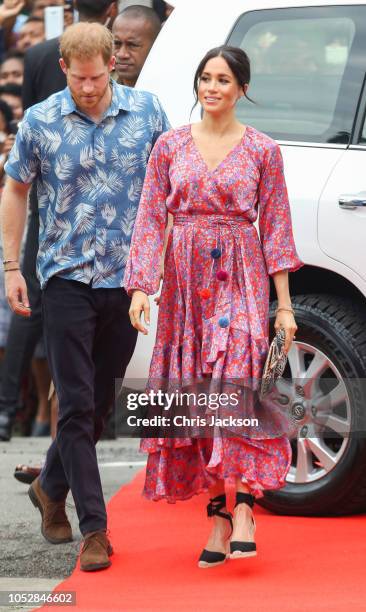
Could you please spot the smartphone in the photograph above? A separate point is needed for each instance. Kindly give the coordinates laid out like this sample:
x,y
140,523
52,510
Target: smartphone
x,y
54,21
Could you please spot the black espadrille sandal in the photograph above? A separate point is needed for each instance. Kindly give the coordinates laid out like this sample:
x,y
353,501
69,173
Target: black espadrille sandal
x,y
210,558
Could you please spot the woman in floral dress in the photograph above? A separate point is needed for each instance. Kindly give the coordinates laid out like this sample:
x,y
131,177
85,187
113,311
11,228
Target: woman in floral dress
x,y
214,177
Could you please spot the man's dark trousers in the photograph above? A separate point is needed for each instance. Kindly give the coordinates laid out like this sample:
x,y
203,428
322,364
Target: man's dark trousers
x,y
89,343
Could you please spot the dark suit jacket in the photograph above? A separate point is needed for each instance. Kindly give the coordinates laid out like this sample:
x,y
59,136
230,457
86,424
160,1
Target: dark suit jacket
x,y
42,78
42,73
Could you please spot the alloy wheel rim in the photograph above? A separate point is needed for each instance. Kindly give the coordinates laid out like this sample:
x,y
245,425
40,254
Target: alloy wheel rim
x,y
317,395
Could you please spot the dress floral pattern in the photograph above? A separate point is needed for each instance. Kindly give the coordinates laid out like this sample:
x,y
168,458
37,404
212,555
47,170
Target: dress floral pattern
x,y
213,313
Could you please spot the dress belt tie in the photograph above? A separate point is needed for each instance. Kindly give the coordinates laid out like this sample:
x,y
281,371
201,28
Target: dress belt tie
x,y
234,222
211,220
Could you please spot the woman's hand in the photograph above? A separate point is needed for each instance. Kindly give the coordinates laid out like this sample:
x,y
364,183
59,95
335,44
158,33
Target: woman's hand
x,y
139,303
287,321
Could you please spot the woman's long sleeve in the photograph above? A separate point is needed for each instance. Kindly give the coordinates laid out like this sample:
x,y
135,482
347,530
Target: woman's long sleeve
x,y
143,269
275,226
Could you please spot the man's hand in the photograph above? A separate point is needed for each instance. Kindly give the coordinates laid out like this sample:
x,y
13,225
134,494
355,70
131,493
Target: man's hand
x,y
10,9
16,293
139,303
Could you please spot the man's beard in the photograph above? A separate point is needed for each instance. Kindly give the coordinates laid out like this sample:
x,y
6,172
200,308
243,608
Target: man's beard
x,y
81,101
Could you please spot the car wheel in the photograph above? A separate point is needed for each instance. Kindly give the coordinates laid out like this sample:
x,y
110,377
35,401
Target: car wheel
x,y
324,387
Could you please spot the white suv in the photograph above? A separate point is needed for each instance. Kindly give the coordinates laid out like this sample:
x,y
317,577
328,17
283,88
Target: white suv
x,y
309,85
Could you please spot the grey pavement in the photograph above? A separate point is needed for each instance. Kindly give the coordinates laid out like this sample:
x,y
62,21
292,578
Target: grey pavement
x,y
27,561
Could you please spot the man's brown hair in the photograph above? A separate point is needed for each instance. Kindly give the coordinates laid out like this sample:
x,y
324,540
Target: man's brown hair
x,y
85,41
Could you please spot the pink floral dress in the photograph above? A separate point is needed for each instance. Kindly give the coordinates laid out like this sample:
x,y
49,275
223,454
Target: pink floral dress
x,y
213,313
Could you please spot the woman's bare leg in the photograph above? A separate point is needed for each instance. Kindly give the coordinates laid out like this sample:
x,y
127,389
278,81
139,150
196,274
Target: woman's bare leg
x,y
243,525
54,415
42,379
217,541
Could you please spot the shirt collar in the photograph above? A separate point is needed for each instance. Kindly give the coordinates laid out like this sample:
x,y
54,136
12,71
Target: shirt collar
x,y
120,101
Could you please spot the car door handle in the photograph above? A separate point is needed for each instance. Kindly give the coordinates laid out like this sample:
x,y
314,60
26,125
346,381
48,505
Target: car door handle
x,y
352,201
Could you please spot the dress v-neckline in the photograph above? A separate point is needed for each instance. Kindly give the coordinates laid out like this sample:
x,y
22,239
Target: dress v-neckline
x,y
225,158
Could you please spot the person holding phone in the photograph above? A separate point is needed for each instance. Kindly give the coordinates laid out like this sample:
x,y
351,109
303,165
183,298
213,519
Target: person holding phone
x,y
57,16
40,8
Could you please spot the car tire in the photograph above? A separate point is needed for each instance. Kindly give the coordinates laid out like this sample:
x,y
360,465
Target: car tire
x,y
334,327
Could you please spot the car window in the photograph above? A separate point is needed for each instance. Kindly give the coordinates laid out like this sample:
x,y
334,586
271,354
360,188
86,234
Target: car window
x,y
308,67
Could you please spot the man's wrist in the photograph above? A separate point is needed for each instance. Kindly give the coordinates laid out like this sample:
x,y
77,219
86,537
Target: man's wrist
x,y
11,264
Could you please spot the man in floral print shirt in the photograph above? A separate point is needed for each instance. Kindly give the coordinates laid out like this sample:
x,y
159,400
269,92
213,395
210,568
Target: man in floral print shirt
x,y
87,148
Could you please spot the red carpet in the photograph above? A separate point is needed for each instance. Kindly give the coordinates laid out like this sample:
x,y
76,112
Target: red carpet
x,y
303,564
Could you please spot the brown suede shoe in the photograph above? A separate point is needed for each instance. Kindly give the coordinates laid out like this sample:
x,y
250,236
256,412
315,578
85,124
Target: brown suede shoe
x,y
95,552
55,524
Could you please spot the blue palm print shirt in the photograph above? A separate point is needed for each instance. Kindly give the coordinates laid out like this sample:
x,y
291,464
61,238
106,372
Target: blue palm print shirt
x,y
89,181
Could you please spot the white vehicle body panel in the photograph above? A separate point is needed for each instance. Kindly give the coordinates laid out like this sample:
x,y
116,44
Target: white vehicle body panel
x,y
342,233
314,173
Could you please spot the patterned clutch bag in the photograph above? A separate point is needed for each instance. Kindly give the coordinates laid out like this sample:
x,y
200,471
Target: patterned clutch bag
x,y
274,365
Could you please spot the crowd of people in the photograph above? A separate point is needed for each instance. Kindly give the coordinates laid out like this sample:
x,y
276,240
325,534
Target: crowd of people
x,y
29,73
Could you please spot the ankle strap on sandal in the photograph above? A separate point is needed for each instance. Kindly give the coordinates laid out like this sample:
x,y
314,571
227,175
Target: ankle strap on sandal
x,y
216,504
244,498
